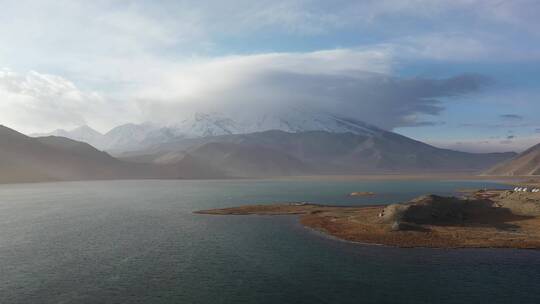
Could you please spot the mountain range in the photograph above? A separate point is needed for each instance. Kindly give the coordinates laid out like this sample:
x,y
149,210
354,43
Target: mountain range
x,y
53,158
274,153
198,125
203,145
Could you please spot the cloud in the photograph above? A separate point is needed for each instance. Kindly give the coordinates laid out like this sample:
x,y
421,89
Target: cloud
x,y
131,61
319,16
345,82
498,125
419,123
458,47
511,116
486,145
99,39
34,102
116,46
355,83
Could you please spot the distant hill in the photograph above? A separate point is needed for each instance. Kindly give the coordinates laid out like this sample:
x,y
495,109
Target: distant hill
x,y
274,153
52,158
249,160
526,163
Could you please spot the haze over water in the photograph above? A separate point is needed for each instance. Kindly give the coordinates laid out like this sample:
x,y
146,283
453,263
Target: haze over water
x,y
139,242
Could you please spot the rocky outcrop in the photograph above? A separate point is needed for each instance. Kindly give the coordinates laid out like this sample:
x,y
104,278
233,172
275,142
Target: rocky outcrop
x,y
428,221
520,203
439,210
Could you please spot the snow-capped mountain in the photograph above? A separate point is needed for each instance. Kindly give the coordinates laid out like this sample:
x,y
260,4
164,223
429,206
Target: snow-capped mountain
x,y
128,136
293,142
292,121
138,136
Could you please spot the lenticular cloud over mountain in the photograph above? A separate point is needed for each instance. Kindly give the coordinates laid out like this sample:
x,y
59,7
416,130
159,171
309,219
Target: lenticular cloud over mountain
x,y
356,84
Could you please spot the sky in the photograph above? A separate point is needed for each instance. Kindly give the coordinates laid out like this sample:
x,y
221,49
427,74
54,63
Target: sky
x,y
460,74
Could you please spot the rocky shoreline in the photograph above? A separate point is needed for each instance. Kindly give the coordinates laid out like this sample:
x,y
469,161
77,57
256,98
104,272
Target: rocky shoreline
x,y
494,219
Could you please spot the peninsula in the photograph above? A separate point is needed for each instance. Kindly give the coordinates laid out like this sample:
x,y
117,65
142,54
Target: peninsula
x,y
501,219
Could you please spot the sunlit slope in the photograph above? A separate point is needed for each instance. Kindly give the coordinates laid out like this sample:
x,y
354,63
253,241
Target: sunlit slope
x,y
526,163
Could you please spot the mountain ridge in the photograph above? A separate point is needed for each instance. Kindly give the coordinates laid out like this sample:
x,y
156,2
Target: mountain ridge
x,y
196,125
320,152
525,163
271,153
53,158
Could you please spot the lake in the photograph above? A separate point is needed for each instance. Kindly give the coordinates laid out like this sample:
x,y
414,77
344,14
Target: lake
x,y
139,242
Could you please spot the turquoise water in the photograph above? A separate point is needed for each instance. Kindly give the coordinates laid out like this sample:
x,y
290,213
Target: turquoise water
x,y
139,242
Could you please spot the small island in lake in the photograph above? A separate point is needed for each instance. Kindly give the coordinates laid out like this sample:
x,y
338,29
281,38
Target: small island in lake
x,y
362,193
484,218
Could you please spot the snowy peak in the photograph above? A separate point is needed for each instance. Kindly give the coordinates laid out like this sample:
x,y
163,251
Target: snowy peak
x,y
204,124
292,121
139,136
85,132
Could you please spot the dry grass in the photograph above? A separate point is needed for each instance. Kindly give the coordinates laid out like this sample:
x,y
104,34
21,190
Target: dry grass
x,y
362,224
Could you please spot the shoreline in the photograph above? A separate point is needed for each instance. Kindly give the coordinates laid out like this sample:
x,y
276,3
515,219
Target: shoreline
x,y
483,227
419,176
512,180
